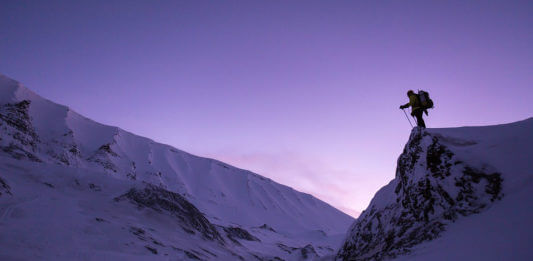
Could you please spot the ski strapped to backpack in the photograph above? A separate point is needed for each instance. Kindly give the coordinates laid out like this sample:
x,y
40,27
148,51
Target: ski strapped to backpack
x,y
425,101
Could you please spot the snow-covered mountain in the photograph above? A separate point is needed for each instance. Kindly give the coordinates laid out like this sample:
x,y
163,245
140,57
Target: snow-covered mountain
x,y
459,194
71,188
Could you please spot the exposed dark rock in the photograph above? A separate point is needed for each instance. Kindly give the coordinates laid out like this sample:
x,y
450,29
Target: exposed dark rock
x,y
107,149
153,173
139,232
267,227
237,232
4,187
48,184
198,253
152,249
433,188
15,122
326,248
19,152
103,157
94,187
99,219
16,115
438,160
191,255
157,242
104,163
222,165
209,252
308,252
161,200
132,176
493,181
285,248
268,258
62,158
237,256
21,141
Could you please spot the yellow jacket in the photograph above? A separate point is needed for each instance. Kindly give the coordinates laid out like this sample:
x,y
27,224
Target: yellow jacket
x,y
413,102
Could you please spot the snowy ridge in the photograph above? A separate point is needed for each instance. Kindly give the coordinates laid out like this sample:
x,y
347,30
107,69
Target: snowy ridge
x,y
42,133
447,178
217,188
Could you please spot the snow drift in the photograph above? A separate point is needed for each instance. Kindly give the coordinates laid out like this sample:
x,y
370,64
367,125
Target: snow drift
x,y
446,178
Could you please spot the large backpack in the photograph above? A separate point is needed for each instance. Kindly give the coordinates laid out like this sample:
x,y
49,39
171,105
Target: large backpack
x,y
425,101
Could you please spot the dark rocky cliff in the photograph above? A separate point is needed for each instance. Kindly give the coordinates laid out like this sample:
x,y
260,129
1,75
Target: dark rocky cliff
x,y
433,187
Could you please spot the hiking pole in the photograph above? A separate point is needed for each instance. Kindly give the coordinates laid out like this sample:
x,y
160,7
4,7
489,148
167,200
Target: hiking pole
x,y
407,118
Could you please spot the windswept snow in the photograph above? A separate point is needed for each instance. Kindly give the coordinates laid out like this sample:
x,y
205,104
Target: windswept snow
x,y
64,170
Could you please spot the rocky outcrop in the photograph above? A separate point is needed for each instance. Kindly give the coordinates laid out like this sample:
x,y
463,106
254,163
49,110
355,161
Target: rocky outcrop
x,y
235,233
308,253
4,187
161,200
432,188
19,137
103,157
20,140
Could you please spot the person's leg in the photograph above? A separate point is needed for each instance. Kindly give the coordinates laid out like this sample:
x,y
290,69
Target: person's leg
x,y
419,120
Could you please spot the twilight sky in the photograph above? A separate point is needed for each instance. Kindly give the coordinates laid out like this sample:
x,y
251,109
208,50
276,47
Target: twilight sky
x,y
303,92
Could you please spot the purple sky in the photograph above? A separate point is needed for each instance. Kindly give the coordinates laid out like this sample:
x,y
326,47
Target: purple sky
x,y
303,92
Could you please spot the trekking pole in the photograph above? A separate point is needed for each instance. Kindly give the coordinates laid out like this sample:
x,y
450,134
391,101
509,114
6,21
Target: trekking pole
x,y
407,118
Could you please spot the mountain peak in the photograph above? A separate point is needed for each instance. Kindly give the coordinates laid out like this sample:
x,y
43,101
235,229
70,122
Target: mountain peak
x,y
444,176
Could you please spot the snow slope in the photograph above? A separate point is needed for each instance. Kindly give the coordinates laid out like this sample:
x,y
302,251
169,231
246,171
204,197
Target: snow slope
x,y
45,143
459,194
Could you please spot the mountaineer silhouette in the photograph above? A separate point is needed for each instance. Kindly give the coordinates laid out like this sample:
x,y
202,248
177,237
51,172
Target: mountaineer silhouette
x,y
419,103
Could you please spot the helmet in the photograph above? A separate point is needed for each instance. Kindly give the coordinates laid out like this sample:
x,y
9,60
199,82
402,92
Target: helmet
x,y
410,92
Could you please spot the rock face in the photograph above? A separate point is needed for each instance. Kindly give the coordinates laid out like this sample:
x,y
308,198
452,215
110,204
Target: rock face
x,y
433,187
190,218
235,233
15,123
4,187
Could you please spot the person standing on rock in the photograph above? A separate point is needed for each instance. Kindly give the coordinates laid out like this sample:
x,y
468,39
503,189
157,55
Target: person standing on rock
x,y
416,108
